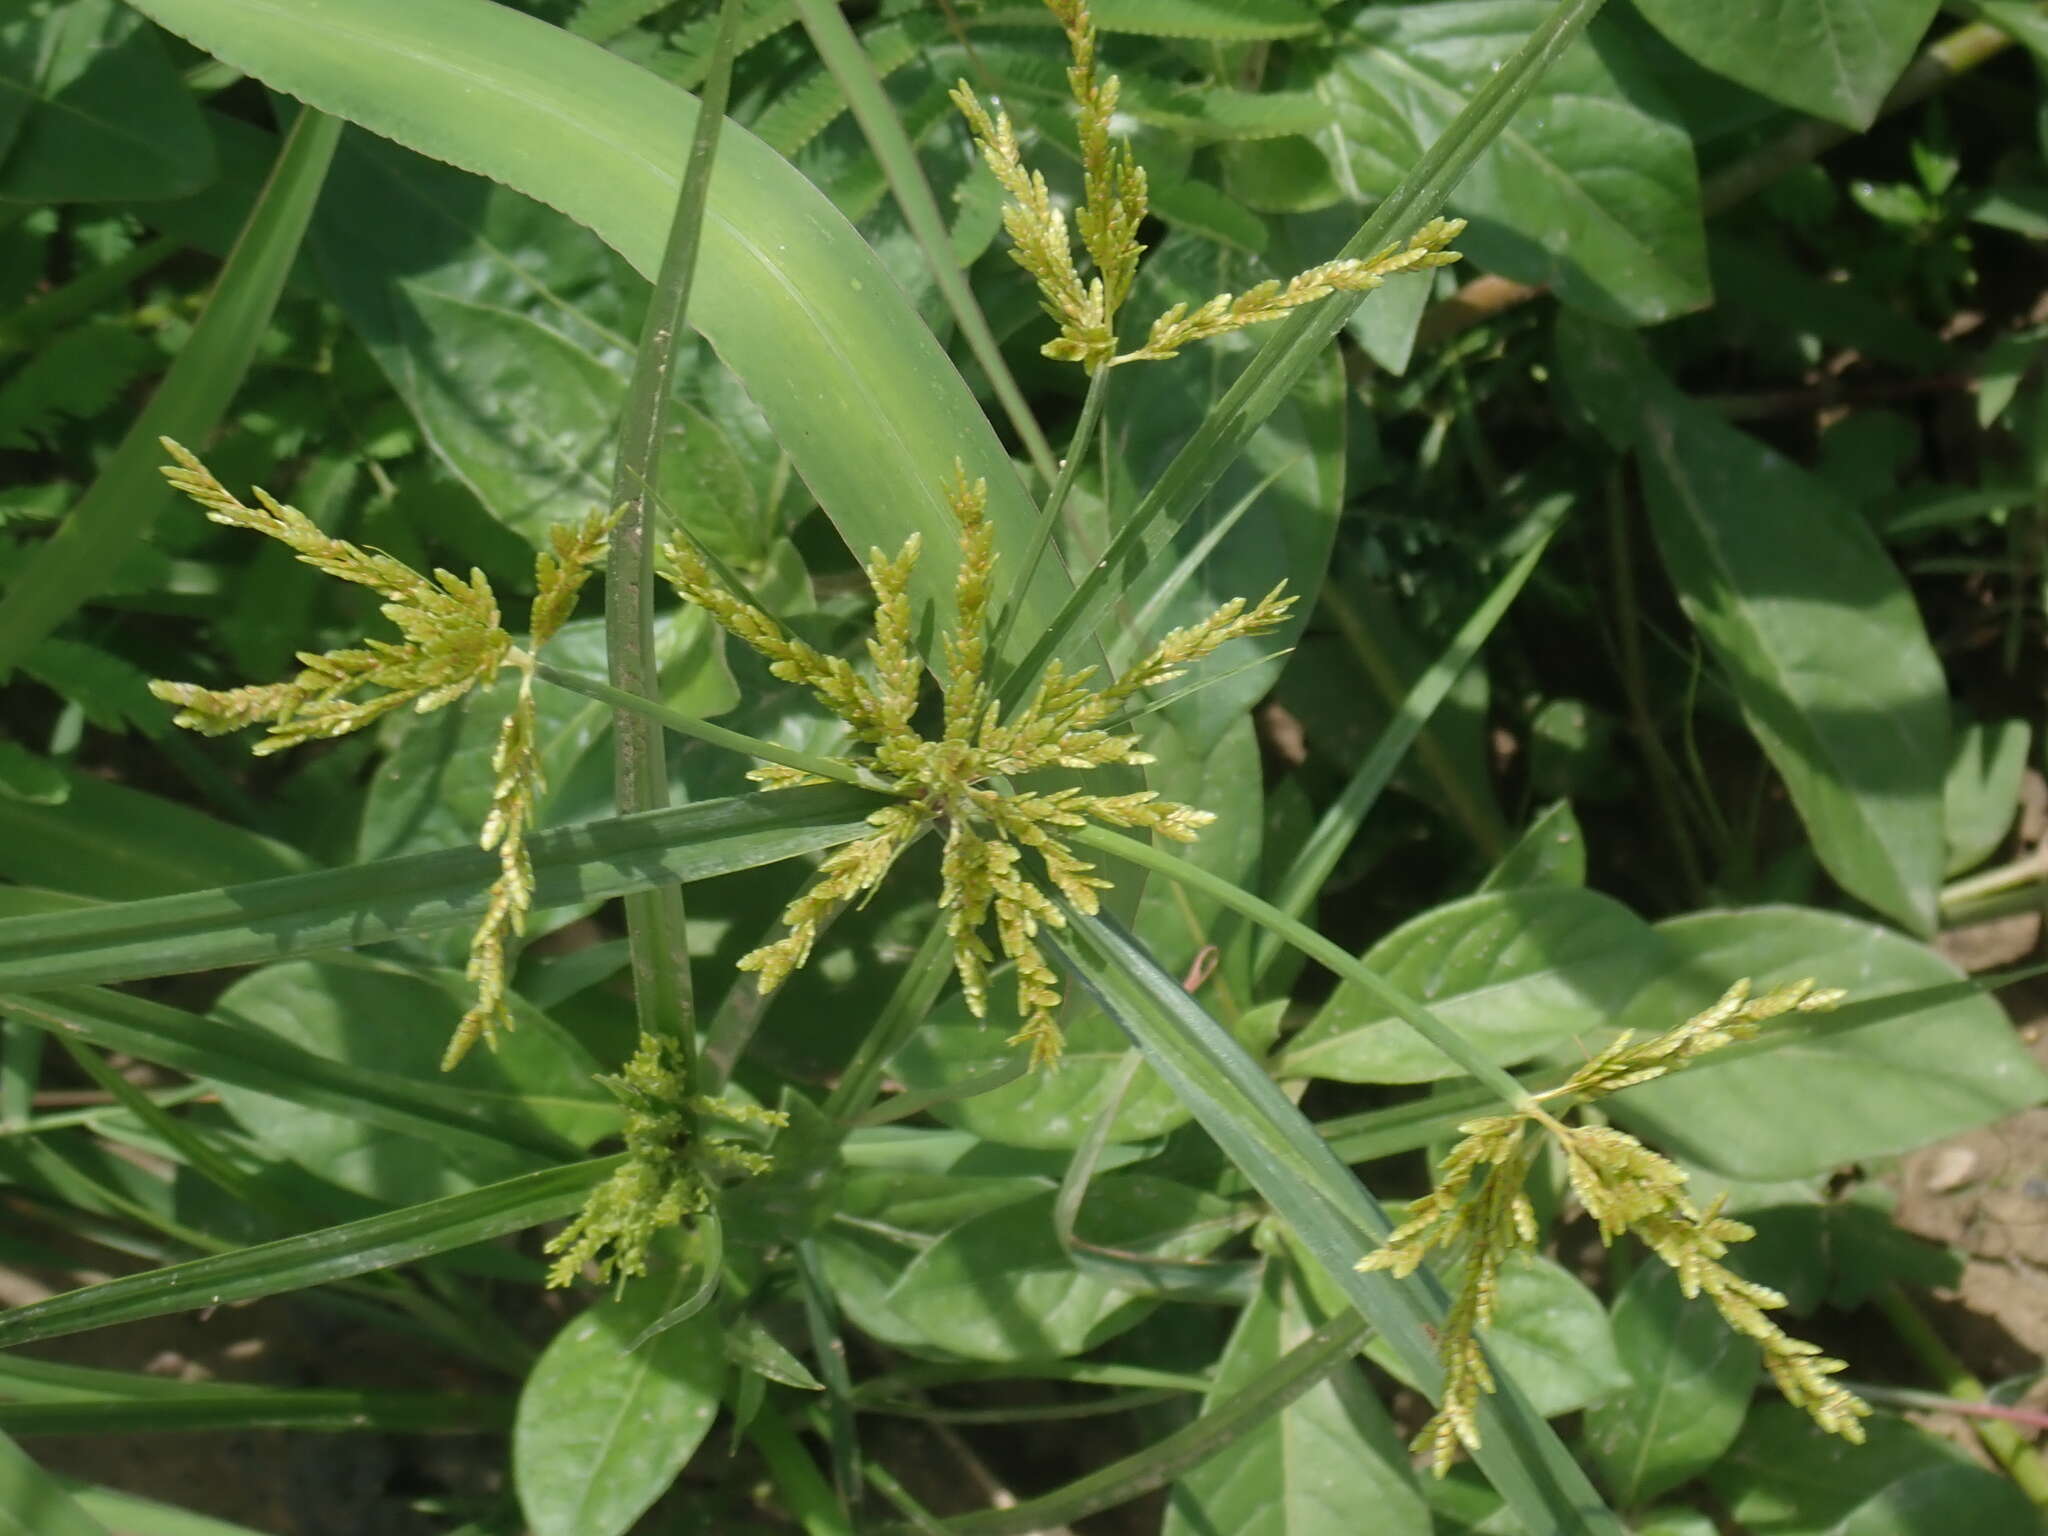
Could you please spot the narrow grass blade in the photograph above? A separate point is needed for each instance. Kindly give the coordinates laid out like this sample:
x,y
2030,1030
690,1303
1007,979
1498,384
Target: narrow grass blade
x,y
301,914
48,1397
444,1113
133,1515
32,1503
316,1258
1340,823
129,493
1333,1216
1295,343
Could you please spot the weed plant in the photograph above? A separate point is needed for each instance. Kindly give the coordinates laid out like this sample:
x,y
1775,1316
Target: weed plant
x,y
884,909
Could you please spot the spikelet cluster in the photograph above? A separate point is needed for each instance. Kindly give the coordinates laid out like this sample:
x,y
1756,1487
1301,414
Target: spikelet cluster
x,y
671,1170
452,640
1478,1209
1005,851
1114,204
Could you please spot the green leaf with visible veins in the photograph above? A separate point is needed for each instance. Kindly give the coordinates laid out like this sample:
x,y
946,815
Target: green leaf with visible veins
x,y
1312,1468
1833,58
1588,191
1805,615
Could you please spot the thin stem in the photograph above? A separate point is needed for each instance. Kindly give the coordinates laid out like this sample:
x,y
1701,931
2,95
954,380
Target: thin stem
x,y
1477,817
200,1154
1055,503
2007,1445
655,921
1663,773
916,990
1316,947
806,1494
703,730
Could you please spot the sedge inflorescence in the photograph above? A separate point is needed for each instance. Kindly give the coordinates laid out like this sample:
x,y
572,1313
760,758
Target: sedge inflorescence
x,y
953,777
452,640
672,1168
1114,205
1478,1210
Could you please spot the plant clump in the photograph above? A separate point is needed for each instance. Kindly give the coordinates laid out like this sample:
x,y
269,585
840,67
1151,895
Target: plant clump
x,y
955,777
1114,205
1625,1187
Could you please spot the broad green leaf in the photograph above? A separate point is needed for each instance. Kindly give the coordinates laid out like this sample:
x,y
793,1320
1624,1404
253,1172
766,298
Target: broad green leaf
x,y
1840,1252
393,1024
448,1112
1550,1333
1816,1103
1784,1477
128,493
1552,851
604,1428
795,302
1038,1109
29,778
508,331
303,914
316,1258
115,843
1001,1287
1335,1219
32,1503
750,1345
1282,175
1515,971
1586,192
1834,58
1312,1468
1806,615
107,119
1981,795
1691,1377
884,1218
